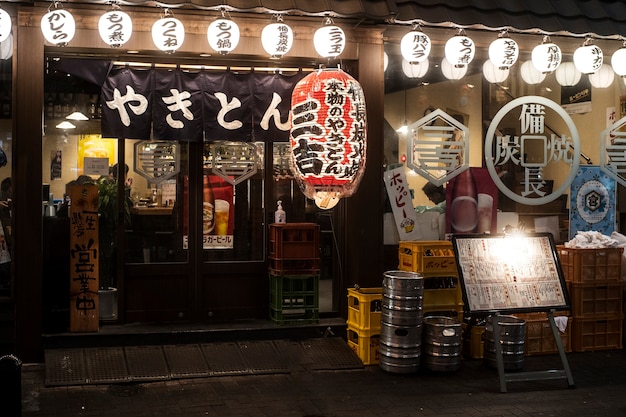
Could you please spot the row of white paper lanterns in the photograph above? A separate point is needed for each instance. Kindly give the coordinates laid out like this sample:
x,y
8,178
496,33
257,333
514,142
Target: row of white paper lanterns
x,y
168,33
459,51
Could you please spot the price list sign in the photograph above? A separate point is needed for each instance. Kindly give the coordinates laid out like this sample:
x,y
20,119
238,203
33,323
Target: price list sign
x,y
510,273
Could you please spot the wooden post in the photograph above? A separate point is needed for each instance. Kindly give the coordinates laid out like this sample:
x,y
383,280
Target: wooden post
x,y
84,254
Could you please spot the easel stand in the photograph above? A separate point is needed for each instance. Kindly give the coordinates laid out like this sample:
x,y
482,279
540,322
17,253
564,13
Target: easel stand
x,y
564,373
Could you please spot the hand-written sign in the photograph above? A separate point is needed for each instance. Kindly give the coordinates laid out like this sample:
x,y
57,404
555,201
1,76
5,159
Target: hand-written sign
x,y
84,253
510,273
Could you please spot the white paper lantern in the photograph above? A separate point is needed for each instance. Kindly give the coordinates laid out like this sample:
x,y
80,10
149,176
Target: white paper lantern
x,y
546,57
493,73
460,50
277,39
567,74
503,52
223,35
5,25
415,46
168,34
452,72
588,58
58,27
603,78
618,62
414,70
329,41
530,74
115,28
385,61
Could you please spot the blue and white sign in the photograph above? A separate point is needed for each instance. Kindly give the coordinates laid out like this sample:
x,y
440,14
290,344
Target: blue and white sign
x,y
592,202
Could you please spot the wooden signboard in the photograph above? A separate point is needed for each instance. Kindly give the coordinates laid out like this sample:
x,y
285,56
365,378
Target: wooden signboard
x,y
509,274
83,258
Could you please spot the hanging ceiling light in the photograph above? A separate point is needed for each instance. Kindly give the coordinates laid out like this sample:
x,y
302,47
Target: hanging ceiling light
x,y
414,70
385,61
115,26
504,51
493,73
5,25
223,34
588,57
567,74
460,50
415,45
329,40
168,33
77,116
546,57
65,125
58,25
277,38
603,78
618,61
452,72
530,74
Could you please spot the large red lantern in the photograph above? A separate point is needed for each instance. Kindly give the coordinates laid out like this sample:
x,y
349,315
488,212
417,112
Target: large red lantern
x,y
328,136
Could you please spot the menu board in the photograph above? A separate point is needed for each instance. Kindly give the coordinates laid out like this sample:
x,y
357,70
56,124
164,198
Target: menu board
x,y
510,274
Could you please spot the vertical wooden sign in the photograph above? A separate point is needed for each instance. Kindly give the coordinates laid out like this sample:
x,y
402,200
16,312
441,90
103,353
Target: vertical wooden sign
x,y
84,254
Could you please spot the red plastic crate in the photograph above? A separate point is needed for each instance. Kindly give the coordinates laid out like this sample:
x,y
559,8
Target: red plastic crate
x,y
294,241
294,266
596,299
583,266
597,333
540,338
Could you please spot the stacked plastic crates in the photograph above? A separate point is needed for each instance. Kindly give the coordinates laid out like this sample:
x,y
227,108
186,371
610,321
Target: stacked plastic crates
x,y
364,318
593,277
294,265
434,260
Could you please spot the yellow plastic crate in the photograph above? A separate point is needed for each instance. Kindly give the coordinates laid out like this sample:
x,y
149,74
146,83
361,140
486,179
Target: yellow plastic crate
x,y
366,344
473,343
427,257
443,299
364,308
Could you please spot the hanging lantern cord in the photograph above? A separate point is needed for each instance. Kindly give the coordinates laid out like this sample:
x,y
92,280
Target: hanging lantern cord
x,y
279,18
55,5
504,33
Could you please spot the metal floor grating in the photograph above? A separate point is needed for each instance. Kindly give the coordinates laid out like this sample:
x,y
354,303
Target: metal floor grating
x,y
156,363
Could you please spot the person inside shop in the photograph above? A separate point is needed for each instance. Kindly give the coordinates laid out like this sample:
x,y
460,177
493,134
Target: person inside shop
x,y
435,193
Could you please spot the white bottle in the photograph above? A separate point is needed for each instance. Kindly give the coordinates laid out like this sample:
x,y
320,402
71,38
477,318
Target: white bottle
x,y
280,216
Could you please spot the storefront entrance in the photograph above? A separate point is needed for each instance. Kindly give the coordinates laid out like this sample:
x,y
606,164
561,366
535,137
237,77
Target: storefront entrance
x,y
183,223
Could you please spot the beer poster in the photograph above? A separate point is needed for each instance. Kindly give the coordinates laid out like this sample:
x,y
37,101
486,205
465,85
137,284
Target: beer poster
x,y
218,213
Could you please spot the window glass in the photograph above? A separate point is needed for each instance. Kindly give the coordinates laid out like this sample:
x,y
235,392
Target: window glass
x,y
233,211
154,184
